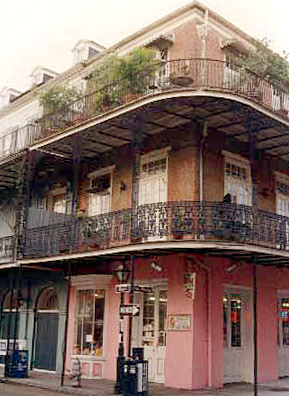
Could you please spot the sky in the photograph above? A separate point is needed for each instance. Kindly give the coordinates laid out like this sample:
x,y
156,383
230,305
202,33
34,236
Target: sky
x,y
37,32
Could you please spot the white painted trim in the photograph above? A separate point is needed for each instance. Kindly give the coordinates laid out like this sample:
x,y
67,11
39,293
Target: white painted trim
x,y
160,245
155,155
151,98
281,177
236,157
101,172
282,293
227,288
87,282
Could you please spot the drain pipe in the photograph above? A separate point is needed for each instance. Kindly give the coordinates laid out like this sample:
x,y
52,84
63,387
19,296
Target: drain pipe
x,y
204,134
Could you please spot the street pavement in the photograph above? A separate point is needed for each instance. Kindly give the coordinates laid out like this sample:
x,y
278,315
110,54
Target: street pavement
x,y
22,390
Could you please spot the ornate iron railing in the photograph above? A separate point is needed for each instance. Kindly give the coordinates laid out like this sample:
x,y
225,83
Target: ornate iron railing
x,y
206,221
193,74
206,74
7,245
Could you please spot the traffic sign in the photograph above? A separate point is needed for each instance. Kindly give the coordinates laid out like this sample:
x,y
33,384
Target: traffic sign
x,y
129,310
121,288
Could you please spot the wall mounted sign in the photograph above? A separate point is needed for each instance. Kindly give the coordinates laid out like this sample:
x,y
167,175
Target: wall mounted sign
x,y
179,322
190,285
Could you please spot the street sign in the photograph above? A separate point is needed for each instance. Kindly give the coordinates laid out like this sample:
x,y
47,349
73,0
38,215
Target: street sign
x,y
144,289
129,310
125,287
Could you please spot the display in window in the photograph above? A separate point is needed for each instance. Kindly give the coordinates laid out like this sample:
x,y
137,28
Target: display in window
x,y
89,322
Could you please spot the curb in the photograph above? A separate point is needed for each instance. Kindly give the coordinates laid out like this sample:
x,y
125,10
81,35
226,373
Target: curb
x,y
59,389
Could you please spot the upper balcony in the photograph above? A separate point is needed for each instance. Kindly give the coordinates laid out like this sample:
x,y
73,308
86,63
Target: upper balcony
x,y
214,226
181,91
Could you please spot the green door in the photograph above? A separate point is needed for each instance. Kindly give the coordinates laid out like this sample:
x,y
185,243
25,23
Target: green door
x,y
46,341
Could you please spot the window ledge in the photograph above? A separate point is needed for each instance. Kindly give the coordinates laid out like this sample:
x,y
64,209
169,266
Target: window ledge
x,y
88,357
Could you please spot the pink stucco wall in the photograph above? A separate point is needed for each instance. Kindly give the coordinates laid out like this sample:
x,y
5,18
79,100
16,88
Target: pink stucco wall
x,y
194,358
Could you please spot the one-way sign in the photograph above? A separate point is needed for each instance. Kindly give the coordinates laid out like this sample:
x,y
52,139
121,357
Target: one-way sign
x,y
130,310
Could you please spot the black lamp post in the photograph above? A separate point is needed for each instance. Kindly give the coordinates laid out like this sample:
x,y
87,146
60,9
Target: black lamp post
x,y
122,274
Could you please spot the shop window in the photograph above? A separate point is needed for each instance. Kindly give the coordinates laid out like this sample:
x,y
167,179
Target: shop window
x,y
148,319
284,317
89,322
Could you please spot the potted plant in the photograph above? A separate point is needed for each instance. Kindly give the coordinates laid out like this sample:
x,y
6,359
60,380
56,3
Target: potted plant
x,y
118,80
182,75
263,64
59,96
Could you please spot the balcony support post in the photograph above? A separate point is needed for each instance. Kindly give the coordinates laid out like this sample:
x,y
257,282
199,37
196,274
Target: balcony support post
x,y
138,144
22,204
252,127
76,167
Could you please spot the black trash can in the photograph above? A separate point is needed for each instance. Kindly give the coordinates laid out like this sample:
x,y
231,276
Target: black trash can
x,y
135,378
16,364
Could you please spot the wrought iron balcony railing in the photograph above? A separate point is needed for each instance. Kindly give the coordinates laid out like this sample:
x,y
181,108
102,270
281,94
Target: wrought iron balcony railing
x,y
171,221
192,74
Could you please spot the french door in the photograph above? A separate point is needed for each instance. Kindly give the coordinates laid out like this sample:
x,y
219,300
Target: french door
x,y
152,193
237,337
149,331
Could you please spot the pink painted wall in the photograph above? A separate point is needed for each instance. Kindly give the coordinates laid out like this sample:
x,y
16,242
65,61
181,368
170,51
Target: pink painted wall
x,y
111,347
70,330
194,358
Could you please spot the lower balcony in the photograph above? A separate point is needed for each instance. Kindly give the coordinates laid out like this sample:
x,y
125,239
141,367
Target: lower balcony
x,y
160,222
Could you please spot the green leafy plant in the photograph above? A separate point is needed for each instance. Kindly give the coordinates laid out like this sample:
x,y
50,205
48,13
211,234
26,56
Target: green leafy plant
x,y
266,64
59,96
115,77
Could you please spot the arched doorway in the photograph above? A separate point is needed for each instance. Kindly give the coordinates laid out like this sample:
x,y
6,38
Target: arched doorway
x,y
46,330
10,315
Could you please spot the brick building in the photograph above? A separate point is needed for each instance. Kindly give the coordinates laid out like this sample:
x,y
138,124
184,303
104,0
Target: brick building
x,y
184,183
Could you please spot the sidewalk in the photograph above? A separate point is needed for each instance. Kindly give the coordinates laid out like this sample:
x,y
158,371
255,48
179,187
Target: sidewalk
x,y
105,388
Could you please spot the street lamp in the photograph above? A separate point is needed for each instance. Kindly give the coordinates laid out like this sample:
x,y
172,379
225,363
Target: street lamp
x,y
122,274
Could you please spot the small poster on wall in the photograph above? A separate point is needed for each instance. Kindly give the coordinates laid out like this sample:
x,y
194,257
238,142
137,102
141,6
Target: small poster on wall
x,y
179,322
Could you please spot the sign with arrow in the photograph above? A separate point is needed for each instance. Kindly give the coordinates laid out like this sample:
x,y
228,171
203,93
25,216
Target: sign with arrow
x,y
129,310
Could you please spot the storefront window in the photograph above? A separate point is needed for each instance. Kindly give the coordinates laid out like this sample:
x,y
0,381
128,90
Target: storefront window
x,y
284,313
148,319
89,322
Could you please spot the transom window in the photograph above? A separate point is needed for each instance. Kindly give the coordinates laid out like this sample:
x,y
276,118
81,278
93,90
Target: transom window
x,y
154,167
235,171
89,322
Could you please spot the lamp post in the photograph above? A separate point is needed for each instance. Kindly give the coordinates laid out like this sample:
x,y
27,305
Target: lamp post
x,y
122,274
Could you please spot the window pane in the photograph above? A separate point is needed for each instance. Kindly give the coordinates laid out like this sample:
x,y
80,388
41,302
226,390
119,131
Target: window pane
x,y
89,322
98,323
285,320
236,321
162,318
148,319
